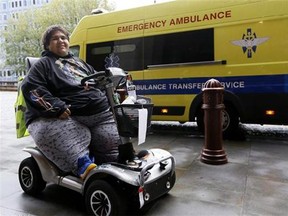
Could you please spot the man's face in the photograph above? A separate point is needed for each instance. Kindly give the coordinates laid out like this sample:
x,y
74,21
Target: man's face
x,y
59,44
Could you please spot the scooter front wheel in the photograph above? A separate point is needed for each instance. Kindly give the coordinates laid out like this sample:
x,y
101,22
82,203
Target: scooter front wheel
x,y
101,199
30,177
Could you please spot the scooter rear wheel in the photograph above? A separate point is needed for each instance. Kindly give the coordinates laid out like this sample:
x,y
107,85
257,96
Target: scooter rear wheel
x,y
30,177
103,200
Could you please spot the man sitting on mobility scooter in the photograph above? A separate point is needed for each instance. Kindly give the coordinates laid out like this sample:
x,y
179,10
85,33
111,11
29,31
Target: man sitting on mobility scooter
x,y
121,178
71,124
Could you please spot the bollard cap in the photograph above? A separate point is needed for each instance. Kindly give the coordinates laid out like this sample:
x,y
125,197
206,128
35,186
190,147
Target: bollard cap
x,y
212,83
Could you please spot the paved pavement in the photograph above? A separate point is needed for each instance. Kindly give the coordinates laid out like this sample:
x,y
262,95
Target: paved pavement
x,y
254,182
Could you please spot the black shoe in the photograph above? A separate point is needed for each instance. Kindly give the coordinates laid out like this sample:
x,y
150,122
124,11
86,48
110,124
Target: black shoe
x,y
142,154
128,156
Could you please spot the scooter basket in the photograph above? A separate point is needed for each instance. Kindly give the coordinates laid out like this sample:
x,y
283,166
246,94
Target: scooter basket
x,y
127,117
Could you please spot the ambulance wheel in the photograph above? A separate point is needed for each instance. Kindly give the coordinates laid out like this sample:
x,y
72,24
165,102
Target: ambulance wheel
x,y
102,199
200,120
230,121
30,177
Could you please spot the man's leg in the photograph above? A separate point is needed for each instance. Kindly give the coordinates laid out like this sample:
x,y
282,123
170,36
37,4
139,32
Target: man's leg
x,y
61,141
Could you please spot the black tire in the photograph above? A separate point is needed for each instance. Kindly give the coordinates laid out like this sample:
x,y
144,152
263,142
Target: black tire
x,y
230,121
30,177
200,120
102,199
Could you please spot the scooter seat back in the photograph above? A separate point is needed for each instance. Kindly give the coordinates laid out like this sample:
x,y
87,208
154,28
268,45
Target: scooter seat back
x,y
30,61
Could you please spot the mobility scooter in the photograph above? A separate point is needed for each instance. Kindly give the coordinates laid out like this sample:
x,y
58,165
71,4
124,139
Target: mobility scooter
x,y
110,187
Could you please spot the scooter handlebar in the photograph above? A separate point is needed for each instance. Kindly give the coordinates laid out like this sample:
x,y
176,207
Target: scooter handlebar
x,y
93,76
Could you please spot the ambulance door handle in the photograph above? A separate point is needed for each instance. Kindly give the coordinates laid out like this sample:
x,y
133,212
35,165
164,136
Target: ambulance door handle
x,y
223,62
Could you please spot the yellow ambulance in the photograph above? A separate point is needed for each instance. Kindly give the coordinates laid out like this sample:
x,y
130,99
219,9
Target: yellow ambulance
x,y
171,49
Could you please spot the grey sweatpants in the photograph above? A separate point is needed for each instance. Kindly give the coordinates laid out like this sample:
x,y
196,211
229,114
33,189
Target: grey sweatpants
x,y
64,141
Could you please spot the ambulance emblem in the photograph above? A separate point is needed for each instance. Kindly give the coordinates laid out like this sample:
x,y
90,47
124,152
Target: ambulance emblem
x,y
249,42
112,61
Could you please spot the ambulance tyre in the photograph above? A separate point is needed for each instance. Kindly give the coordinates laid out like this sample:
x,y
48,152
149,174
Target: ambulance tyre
x,y
230,121
200,120
102,199
30,177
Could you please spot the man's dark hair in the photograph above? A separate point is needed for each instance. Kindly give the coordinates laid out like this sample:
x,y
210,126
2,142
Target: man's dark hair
x,y
49,32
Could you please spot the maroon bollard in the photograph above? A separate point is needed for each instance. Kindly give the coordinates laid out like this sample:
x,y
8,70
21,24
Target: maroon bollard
x,y
213,152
